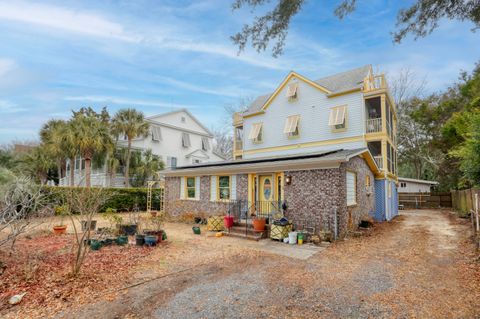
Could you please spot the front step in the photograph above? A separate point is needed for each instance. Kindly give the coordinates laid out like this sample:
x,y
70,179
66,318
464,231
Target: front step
x,y
249,233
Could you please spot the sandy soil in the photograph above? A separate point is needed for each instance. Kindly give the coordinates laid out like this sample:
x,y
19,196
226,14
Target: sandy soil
x,y
421,265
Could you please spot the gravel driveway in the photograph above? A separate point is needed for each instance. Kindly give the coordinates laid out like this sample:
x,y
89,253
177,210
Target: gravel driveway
x,y
420,265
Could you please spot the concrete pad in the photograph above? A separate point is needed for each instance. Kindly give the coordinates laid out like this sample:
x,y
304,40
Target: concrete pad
x,y
302,252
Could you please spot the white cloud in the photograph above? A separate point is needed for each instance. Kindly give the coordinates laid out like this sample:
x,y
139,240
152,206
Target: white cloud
x,y
125,101
63,19
7,107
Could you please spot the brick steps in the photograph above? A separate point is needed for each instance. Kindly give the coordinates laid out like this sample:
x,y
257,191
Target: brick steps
x,y
239,231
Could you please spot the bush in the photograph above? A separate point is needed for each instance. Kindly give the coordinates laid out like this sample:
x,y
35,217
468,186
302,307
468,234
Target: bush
x,y
119,199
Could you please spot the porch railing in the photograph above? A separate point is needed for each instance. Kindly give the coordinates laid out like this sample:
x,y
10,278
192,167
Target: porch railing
x,y
244,211
374,125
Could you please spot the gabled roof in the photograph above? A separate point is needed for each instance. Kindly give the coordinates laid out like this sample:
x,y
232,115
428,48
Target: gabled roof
x,y
198,153
340,82
150,118
325,159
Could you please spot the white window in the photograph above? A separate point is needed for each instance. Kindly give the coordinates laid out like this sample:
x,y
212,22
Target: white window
x,y
256,133
205,144
337,119
291,126
196,161
292,90
403,184
171,161
156,133
351,188
186,140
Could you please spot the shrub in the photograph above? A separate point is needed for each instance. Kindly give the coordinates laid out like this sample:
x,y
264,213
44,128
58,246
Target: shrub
x,y
119,199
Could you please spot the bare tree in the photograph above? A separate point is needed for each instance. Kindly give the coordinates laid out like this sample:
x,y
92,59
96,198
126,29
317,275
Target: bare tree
x,y
83,204
22,200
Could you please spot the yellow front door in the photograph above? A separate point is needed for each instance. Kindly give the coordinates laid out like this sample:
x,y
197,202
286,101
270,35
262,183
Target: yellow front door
x,y
265,194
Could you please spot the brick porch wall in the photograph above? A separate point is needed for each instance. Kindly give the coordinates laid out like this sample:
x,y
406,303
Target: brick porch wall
x,y
175,206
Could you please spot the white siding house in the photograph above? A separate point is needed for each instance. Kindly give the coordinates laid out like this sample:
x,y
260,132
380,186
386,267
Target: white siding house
x,y
410,185
177,137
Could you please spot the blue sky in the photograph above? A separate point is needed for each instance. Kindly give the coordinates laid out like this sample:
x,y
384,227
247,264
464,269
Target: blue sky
x,y
153,55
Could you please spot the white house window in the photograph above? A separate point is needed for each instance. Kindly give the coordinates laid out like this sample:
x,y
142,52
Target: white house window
x,y
196,161
291,126
190,187
205,144
224,187
351,188
171,161
337,119
256,133
292,90
186,140
156,133
183,119
403,184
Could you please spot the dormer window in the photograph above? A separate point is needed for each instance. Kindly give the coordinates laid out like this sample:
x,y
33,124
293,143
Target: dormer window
x,y
337,120
256,133
292,91
186,140
291,126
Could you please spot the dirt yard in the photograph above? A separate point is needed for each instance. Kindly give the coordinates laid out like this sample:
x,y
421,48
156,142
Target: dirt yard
x,y
421,265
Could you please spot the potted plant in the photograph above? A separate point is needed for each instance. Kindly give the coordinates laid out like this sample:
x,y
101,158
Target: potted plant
x,y
60,228
155,227
258,223
114,219
130,229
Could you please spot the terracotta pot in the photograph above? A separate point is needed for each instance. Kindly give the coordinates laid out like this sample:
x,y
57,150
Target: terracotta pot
x,y
60,229
259,224
153,213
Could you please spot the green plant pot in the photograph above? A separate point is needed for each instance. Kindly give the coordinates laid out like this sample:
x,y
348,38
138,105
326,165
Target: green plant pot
x,y
196,230
122,240
95,244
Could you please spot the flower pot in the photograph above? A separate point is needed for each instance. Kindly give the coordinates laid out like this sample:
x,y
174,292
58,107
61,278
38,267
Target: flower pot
x,y
93,225
60,229
259,224
196,230
228,221
151,240
95,244
127,230
122,240
139,240
153,213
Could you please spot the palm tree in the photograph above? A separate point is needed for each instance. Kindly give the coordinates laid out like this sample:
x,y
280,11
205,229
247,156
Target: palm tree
x,y
92,136
70,148
147,168
130,123
36,163
51,135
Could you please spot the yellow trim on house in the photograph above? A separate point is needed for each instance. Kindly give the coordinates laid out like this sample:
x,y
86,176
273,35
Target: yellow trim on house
x,y
285,81
305,145
344,92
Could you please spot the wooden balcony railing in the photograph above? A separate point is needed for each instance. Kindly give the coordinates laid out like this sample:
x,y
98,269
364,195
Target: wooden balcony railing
x,y
375,82
379,160
374,125
237,119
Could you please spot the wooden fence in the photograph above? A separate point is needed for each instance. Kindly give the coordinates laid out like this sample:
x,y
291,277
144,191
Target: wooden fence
x,y
425,200
463,201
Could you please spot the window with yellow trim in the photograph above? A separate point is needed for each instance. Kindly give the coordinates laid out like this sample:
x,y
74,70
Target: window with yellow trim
x,y
224,187
190,187
338,118
367,181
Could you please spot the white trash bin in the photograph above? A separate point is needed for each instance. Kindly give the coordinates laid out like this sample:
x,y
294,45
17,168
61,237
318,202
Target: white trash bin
x,y
292,238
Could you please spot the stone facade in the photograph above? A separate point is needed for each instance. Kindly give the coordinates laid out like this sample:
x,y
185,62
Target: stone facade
x,y
175,206
313,197
365,196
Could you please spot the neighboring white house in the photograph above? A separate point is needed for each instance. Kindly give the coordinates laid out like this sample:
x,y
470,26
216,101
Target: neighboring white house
x,y
410,185
177,137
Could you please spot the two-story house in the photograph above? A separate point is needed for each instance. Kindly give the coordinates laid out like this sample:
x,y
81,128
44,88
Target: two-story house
x,y
323,150
177,137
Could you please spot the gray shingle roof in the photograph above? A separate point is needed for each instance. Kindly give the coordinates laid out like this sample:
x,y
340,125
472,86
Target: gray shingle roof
x,y
339,82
